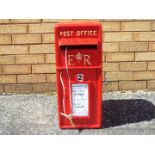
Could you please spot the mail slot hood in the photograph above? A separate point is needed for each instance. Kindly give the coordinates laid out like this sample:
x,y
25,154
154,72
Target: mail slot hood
x,y
78,42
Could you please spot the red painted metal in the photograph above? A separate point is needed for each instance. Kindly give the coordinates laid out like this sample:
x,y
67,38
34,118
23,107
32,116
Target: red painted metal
x,y
78,49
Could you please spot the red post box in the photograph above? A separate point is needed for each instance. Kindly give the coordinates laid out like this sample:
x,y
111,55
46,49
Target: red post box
x,y
79,74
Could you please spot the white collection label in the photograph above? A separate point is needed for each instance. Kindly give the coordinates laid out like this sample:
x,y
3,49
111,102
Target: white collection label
x,y
80,99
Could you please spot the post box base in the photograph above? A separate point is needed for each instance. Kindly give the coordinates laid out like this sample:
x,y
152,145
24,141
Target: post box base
x,y
81,127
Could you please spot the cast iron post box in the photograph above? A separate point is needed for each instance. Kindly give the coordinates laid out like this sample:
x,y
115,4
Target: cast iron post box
x,y
79,74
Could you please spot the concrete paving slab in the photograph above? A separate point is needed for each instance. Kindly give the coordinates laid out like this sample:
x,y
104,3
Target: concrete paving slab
x,y
36,114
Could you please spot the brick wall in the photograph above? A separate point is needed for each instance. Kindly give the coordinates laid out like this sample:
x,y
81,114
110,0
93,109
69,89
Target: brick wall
x,y
27,56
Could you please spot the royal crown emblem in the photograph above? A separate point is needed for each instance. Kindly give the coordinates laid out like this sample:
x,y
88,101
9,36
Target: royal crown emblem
x,y
78,56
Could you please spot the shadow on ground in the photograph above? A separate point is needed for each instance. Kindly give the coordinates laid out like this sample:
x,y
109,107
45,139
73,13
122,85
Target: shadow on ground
x,y
119,112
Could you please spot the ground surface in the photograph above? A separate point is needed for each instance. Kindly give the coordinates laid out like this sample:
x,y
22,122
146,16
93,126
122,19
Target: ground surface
x,y
123,113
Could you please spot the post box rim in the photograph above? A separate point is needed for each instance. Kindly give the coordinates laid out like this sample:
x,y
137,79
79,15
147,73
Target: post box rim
x,y
80,24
